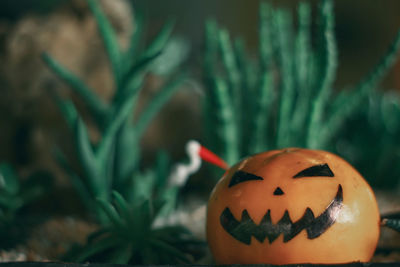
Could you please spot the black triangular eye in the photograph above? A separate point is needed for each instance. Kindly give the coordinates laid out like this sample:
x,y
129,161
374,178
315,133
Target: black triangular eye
x,y
317,170
241,176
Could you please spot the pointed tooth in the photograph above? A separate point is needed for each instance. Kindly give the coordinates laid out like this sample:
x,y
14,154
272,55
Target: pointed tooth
x,y
309,214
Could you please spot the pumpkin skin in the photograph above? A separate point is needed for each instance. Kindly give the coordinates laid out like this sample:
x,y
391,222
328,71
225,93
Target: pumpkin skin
x,y
335,192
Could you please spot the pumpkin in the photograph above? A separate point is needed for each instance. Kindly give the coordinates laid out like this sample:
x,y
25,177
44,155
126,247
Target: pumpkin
x,y
292,206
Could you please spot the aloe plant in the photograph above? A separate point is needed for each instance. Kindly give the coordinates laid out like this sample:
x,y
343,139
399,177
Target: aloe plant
x,y
111,166
285,96
130,235
113,162
118,242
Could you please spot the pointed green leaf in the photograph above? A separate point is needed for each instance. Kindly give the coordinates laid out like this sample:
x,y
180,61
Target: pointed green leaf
x,y
131,89
122,206
247,67
140,218
168,200
119,118
230,64
262,108
68,110
283,29
147,213
162,169
173,57
148,56
136,37
248,95
93,172
143,184
211,50
328,66
234,78
109,39
266,36
75,179
222,111
127,157
112,214
156,104
159,42
96,105
304,70
139,67
303,44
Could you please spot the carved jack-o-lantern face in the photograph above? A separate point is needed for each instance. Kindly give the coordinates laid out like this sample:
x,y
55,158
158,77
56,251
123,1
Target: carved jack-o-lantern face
x,y
292,206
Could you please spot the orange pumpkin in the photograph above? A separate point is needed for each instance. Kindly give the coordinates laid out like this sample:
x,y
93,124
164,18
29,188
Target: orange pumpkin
x,y
292,206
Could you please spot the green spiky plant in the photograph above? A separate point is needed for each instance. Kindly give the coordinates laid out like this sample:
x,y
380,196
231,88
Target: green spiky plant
x,y
285,97
130,236
15,195
120,244
112,164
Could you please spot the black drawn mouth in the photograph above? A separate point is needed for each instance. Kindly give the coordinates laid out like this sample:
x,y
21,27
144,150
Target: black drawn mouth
x,y
315,226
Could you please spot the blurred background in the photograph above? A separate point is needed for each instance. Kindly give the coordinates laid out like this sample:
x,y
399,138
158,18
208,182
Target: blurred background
x,y
30,123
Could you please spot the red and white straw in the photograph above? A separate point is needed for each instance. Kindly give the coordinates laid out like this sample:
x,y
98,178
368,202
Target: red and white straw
x,y
196,154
